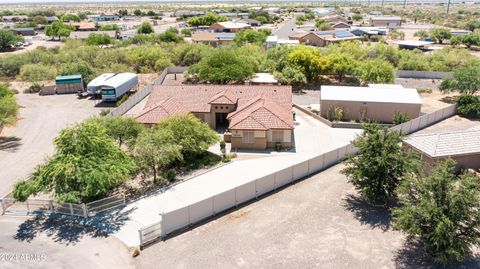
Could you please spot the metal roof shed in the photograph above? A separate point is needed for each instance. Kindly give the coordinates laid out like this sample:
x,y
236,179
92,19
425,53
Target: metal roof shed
x,y
377,102
69,84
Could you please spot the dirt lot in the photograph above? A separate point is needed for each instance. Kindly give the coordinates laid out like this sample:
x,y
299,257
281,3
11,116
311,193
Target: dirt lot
x,y
24,146
317,223
58,245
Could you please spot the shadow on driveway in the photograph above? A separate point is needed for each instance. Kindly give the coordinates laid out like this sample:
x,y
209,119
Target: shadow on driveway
x,y
10,143
375,217
68,229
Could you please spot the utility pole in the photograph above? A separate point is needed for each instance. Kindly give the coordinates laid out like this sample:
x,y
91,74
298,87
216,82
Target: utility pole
x,y
404,4
448,7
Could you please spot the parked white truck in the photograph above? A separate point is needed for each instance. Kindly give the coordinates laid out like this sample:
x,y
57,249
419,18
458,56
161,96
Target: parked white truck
x,y
95,86
116,86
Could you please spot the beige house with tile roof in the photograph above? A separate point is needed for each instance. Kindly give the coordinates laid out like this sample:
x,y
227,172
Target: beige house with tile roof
x,y
257,116
463,147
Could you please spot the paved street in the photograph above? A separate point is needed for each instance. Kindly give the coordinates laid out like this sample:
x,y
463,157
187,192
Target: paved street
x,y
316,223
26,145
286,29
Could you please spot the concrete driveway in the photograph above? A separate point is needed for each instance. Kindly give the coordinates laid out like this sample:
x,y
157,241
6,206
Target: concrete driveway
x,y
26,145
62,245
317,223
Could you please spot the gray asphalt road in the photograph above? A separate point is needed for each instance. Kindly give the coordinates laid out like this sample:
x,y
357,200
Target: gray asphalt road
x,y
286,29
26,145
26,243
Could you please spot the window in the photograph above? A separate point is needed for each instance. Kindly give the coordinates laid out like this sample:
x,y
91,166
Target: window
x,y
248,137
277,136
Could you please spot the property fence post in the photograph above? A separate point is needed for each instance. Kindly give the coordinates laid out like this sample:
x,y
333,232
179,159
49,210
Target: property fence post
x,y
71,209
85,213
140,237
28,207
50,206
162,225
2,201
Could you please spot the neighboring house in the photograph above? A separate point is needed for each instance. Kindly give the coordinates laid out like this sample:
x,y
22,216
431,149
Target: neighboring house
x,y
16,18
212,39
413,44
188,13
462,146
102,18
228,15
368,31
334,19
263,79
24,31
85,34
377,102
456,32
386,21
251,22
83,26
273,41
323,38
341,26
229,27
51,19
256,116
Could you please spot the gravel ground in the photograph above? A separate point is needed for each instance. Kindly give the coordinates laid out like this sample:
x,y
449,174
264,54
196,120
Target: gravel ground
x,y
317,223
24,146
58,245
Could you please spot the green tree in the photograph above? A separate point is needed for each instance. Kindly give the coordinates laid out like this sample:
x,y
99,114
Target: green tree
x,y
222,66
36,72
421,34
137,12
39,20
440,34
70,17
186,32
468,106
206,20
76,68
310,61
145,28
58,29
193,136
123,12
380,164
122,129
323,25
250,36
465,79
442,210
8,39
170,36
357,17
189,54
155,149
375,71
87,164
290,75
8,106
98,39
151,13
341,64
110,27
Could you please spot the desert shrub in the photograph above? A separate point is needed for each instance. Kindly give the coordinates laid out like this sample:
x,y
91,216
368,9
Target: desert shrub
x,y
169,175
336,113
468,106
122,100
36,72
34,88
399,118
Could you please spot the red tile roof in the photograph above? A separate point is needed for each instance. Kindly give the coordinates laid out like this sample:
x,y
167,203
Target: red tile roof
x,y
259,107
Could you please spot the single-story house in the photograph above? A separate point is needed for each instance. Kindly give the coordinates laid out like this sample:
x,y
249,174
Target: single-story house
x,y
105,17
212,39
51,19
83,26
334,19
251,22
188,13
229,27
273,41
462,146
341,26
377,102
15,18
368,31
228,15
413,44
24,31
85,34
386,21
323,38
257,117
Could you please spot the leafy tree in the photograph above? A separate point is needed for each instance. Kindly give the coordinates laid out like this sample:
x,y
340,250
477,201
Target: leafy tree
x,y
87,164
471,39
151,13
421,34
122,129
222,66
375,71
206,20
70,17
58,29
442,210
186,32
155,150
145,28
310,61
137,12
8,39
323,25
357,17
290,75
193,136
399,118
98,39
8,106
110,27
189,54
440,34
465,79
380,165
341,64
123,12
80,67
250,36
39,20
468,105
170,36
36,72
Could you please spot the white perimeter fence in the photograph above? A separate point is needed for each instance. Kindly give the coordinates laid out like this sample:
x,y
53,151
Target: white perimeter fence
x,y
193,213
423,74
140,95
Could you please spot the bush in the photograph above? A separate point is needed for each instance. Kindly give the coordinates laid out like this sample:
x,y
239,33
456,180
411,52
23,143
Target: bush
x,y
169,175
186,32
399,118
36,72
468,106
122,100
336,113
34,88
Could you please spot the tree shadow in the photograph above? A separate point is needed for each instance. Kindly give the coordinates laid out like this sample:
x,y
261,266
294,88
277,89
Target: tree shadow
x,y
10,143
375,217
69,229
413,255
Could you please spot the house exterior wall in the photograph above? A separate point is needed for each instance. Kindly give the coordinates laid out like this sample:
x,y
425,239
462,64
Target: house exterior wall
x,y
382,112
262,139
312,40
218,28
386,23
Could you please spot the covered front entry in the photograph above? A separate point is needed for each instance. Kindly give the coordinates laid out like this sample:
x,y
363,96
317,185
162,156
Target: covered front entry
x,y
221,121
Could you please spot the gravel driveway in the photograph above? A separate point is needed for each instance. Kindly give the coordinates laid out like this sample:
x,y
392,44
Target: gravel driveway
x,y
26,145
